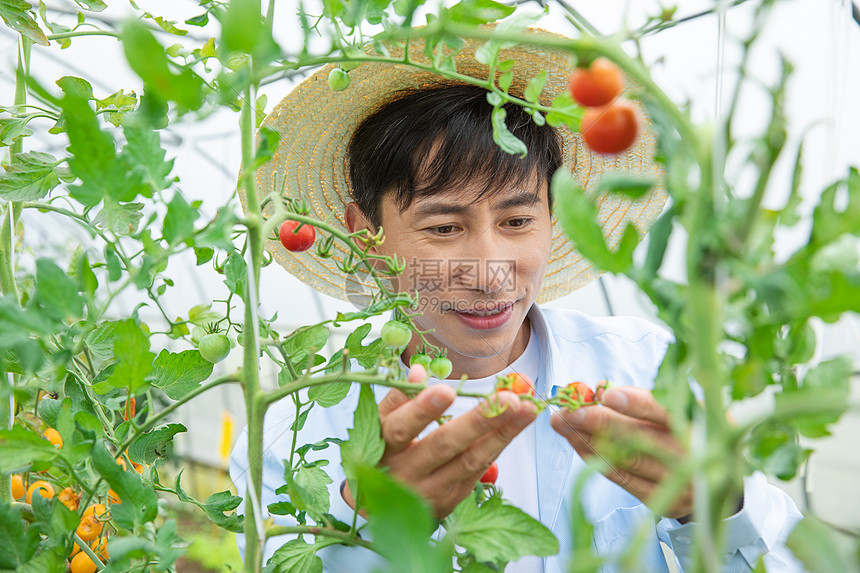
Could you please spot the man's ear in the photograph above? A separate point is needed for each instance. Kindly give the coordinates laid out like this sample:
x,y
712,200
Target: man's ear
x,y
356,221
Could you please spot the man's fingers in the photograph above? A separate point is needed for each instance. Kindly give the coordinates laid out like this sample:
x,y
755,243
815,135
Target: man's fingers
x,y
475,460
636,403
449,441
395,398
640,463
403,424
608,422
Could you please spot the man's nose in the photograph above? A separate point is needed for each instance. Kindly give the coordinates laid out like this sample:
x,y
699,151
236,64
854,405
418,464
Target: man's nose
x,y
486,265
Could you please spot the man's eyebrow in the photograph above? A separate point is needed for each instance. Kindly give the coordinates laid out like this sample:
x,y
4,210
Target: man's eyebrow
x,y
525,199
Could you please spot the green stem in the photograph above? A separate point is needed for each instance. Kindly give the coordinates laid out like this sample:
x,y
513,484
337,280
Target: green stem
x,y
78,33
254,539
345,377
342,536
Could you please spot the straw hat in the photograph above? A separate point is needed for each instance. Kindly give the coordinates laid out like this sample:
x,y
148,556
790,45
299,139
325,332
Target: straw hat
x,y
316,124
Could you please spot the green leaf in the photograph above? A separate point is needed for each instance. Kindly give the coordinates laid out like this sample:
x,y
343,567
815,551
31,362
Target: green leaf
x,y
139,502
56,292
200,20
829,221
329,394
401,523
578,217
565,111
627,185
121,218
153,444
148,60
134,360
11,128
143,150
94,160
18,543
505,81
177,374
495,532
21,448
217,504
17,15
235,272
268,141
179,221
297,556
91,5
365,444
535,87
303,342
821,399
307,489
406,7
775,449
504,138
243,30
475,12
814,543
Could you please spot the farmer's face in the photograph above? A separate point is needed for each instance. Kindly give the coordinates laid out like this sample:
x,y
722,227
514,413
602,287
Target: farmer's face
x,y
466,258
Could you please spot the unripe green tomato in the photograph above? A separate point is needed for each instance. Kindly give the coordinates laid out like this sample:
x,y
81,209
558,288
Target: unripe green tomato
x,y
214,347
197,334
421,359
395,334
338,80
440,367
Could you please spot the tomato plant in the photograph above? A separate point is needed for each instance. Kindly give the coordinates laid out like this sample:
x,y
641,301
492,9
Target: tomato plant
x,y
87,392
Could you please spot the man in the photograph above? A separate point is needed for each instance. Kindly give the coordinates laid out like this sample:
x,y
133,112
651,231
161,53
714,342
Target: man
x,y
475,227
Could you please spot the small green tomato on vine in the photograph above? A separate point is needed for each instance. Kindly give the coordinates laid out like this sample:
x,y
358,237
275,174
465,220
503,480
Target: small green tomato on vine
x,y
422,359
395,334
338,80
214,347
440,367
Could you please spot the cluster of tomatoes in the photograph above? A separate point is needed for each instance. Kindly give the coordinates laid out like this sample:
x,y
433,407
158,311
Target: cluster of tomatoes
x,y
610,125
91,528
572,396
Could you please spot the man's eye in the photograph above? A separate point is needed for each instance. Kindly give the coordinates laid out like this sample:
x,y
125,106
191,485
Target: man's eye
x,y
443,230
522,222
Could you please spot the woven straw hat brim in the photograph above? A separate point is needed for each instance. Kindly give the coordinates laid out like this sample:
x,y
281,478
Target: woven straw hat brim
x,y
316,124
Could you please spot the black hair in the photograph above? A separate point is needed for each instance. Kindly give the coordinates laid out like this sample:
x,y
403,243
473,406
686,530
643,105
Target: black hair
x,y
426,141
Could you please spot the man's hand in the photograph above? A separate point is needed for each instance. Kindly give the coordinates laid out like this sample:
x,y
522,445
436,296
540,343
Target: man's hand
x,y
444,465
629,412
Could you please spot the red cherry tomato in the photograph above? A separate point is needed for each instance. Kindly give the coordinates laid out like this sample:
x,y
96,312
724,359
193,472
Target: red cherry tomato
x,y
610,129
491,474
297,241
578,393
516,383
596,85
